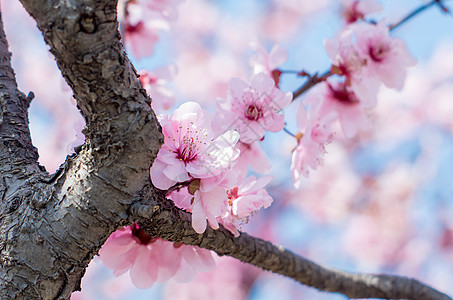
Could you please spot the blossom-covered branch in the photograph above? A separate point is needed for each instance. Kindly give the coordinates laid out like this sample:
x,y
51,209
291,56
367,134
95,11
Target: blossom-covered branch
x,y
353,13
160,218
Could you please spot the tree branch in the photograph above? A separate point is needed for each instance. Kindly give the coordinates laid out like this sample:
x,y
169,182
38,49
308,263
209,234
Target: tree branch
x,y
65,218
417,11
15,146
311,82
159,217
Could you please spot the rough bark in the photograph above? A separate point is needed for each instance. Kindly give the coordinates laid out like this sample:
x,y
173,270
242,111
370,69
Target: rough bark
x,y
52,225
60,221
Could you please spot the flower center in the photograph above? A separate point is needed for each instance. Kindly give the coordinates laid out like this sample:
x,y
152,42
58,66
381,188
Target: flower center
x,y
186,153
253,112
353,14
135,28
140,236
232,195
379,52
192,144
342,95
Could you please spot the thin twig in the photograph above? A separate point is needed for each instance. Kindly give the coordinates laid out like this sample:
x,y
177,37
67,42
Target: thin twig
x,y
288,132
413,14
311,82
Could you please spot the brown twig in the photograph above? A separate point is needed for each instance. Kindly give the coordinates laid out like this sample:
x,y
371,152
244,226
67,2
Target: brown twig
x,y
311,82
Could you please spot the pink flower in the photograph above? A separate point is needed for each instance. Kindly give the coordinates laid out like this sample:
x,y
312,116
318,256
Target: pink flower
x,y
387,57
154,83
315,133
338,98
366,55
253,109
190,153
141,29
181,198
349,62
143,19
141,39
208,203
354,10
151,259
244,200
205,199
267,63
190,149
249,196
125,251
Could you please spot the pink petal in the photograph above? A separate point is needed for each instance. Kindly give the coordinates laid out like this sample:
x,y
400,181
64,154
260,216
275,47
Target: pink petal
x,y
260,163
169,259
235,88
277,56
158,179
176,171
276,123
143,273
263,84
185,273
207,261
199,259
282,99
301,117
212,220
215,201
198,214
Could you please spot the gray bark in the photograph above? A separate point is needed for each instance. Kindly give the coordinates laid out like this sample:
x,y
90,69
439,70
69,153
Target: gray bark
x,y
51,225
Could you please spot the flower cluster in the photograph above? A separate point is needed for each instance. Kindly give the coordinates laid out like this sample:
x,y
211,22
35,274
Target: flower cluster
x,y
364,56
203,167
203,163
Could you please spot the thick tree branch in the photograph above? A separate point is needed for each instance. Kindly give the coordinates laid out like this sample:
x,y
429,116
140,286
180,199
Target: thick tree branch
x,y
162,219
65,218
15,141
